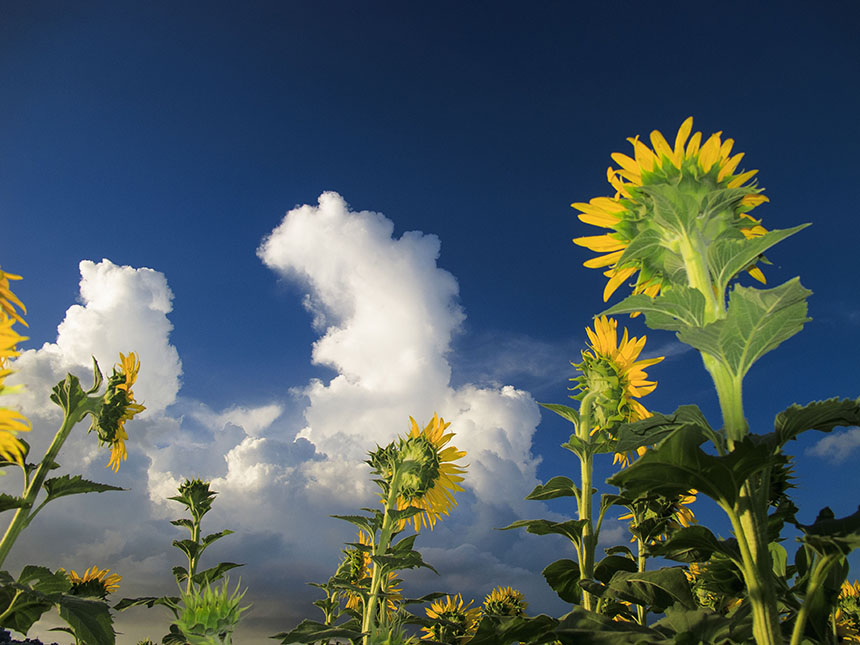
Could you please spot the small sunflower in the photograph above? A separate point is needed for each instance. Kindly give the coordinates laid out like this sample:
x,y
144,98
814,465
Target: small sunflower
x,y
611,370
505,601
430,486
848,612
119,406
94,583
455,624
688,175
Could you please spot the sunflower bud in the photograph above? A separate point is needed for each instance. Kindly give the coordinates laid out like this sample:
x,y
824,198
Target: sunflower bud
x,y
209,616
95,583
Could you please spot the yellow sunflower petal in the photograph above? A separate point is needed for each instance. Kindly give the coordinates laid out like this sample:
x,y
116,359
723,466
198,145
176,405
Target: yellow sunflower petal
x,y
661,146
681,139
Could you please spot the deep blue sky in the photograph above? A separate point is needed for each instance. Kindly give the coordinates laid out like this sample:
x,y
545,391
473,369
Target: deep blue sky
x,y
176,135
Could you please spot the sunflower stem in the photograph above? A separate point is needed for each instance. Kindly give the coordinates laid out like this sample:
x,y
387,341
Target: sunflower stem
x,y
588,537
381,547
22,515
640,567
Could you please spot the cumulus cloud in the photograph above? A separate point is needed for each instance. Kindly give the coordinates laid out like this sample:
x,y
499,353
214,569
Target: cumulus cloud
x,y
837,447
386,314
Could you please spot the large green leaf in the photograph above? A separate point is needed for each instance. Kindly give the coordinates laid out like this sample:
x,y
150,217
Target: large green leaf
x,y
818,415
563,577
502,630
651,431
44,580
309,631
727,258
673,309
68,485
571,529
606,568
679,465
695,626
757,321
367,524
581,627
694,544
656,589
555,487
90,619
408,560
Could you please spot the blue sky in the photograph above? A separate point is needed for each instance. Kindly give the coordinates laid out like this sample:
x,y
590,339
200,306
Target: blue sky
x,y
175,137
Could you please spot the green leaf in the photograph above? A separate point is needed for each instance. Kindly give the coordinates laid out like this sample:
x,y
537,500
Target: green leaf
x,y
727,258
309,631
606,568
657,589
171,602
184,522
189,547
496,630
367,524
44,580
571,529
654,429
589,628
644,245
694,544
68,393
403,514
673,309
181,574
209,539
555,487
403,546
410,560
829,535
97,377
694,626
90,619
563,411
212,574
756,322
68,485
563,577
8,502
818,415
679,465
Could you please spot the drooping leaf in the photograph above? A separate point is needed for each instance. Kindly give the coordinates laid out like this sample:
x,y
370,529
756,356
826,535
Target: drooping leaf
x,y
309,631
571,529
409,560
563,577
367,524
189,547
581,627
90,619
556,487
656,589
183,522
694,544
170,602
68,485
692,626
606,568
495,630
679,465
823,416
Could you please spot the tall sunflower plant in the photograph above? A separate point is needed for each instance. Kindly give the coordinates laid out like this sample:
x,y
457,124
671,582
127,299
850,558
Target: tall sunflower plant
x,y
80,600
418,477
680,230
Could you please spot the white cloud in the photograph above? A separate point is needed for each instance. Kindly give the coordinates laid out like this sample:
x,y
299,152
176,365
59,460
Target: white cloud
x,y
837,446
386,314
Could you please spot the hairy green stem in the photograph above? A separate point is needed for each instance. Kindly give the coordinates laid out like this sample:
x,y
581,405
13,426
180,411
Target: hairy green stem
x,y
388,524
815,582
640,567
22,515
588,539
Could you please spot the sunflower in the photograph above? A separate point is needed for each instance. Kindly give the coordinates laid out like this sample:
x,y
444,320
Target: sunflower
x,y
848,612
690,176
610,370
94,583
119,406
11,422
8,300
454,623
431,484
505,601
